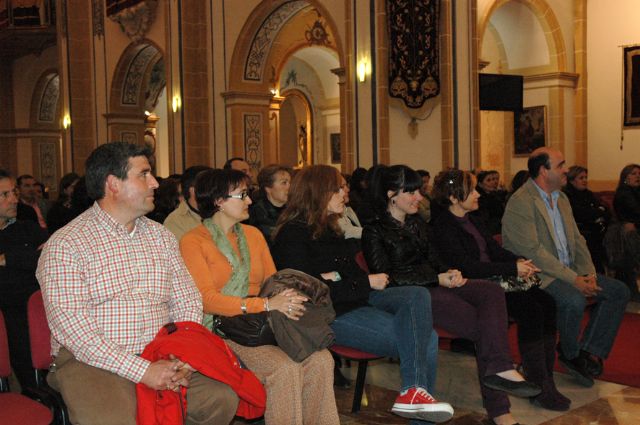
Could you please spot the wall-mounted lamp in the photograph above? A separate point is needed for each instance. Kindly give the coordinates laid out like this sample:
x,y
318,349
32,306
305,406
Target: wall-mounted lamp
x,y
66,121
176,103
364,69
274,92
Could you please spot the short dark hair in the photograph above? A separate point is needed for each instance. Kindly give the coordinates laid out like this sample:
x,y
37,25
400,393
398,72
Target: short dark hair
x,y
66,181
536,161
189,177
456,183
574,170
110,159
267,176
423,173
227,165
23,177
214,184
519,179
484,174
394,179
4,174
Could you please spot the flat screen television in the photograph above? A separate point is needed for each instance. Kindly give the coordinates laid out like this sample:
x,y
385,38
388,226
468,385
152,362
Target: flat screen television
x,y
499,92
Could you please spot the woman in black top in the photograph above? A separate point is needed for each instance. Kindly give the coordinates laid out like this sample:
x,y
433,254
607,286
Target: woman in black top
x,y
398,244
274,182
590,214
393,322
464,242
492,201
626,204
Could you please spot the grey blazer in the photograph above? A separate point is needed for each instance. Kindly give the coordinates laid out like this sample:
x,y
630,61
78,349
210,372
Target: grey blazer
x,y
527,230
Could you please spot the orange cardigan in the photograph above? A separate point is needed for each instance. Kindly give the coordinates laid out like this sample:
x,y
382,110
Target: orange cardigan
x,y
211,270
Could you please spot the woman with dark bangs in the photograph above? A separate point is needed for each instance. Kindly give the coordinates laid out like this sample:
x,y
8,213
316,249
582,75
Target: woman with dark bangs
x,y
398,244
394,322
466,244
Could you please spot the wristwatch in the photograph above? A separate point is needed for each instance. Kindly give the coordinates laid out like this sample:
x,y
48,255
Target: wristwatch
x,y
243,307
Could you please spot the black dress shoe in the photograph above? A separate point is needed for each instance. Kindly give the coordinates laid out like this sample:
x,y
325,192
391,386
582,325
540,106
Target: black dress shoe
x,y
549,402
593,363
516,388
577,367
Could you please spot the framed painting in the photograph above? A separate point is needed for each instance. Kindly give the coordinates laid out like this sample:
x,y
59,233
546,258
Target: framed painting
x,y
336,156
631,62
530,130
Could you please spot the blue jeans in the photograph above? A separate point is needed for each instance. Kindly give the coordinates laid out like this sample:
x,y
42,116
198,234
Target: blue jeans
x,y
605,318
397,324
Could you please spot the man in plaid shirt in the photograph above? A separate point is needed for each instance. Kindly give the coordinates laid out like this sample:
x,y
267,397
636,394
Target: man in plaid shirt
x,y
110,280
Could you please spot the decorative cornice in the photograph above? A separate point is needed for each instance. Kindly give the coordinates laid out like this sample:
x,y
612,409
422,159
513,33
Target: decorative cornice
x,y
30,132
551,79
98,17
136,20
247,98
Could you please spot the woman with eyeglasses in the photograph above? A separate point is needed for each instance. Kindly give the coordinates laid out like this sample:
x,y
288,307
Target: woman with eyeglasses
x,y
464,243
398,244
229,262
394,322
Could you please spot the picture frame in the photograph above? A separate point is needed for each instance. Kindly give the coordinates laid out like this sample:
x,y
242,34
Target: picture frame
x,y
631,64
530,130
336,155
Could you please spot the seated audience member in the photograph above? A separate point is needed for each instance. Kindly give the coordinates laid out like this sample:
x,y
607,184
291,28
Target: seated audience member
x,y
166,199
538,224
349,222
185,217
110,281
357,186
517,181
590,214
20,244
393,322
229,262
464,244
398,244
61,212
28,206
492,201
626,204
273,182
424,206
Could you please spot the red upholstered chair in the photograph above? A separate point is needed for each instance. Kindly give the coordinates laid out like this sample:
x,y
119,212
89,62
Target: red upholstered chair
x,y
363,359
17,408
40,342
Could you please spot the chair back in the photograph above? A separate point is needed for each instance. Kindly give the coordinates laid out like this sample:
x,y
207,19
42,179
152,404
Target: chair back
x,y
361,261
39,333
5,366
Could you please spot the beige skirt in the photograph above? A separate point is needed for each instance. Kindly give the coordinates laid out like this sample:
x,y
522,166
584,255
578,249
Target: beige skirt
x,y
297,393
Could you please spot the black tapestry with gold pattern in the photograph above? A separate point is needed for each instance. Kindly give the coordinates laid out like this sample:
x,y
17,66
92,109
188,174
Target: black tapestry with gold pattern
x,y
414,74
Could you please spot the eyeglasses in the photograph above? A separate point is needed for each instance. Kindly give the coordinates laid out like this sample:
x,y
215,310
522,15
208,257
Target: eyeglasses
x,y
242,196
5,195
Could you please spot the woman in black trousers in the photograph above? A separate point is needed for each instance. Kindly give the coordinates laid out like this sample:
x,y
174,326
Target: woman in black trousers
x,y
464,243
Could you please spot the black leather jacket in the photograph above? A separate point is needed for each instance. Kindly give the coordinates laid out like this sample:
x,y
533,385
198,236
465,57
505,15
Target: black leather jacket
x,y
402,251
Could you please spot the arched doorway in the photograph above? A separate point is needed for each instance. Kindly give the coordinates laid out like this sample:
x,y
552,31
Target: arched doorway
x,y
295,53
522,37
138,105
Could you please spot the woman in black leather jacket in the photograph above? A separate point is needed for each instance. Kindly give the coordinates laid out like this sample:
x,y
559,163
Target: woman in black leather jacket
x,y
465,243
398,244
394,322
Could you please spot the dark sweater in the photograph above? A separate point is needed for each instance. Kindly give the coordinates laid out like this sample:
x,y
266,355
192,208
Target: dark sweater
x,y
264,215
459,249
627,204
294,248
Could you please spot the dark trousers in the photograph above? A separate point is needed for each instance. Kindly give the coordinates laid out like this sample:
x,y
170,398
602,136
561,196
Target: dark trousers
x,y
477,311
14,309
535,314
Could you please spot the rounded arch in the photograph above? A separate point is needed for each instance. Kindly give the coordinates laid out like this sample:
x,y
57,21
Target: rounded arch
x,y
302,141
45,111
254,46
547,19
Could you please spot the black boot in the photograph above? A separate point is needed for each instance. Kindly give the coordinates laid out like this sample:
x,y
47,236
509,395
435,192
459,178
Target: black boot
x,y
550,360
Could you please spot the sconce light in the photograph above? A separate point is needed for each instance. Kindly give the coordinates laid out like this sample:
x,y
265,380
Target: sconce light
x,y
274,92
176,103
66,121
364,69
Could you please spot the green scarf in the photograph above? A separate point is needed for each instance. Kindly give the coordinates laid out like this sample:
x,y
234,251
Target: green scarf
x,y
238,283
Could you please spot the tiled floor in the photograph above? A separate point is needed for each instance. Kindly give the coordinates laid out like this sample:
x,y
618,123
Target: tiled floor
x,y
603,404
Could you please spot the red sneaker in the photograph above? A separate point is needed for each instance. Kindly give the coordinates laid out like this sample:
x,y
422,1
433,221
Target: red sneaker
x,y
417,403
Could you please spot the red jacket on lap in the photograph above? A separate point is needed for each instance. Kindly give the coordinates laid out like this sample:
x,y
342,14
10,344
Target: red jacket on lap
x,y
208,354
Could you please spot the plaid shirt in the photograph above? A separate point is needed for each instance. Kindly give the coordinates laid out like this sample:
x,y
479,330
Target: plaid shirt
x,y
107,292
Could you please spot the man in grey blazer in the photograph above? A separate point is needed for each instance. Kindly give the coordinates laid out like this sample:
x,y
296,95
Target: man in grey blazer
x,y
538,224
